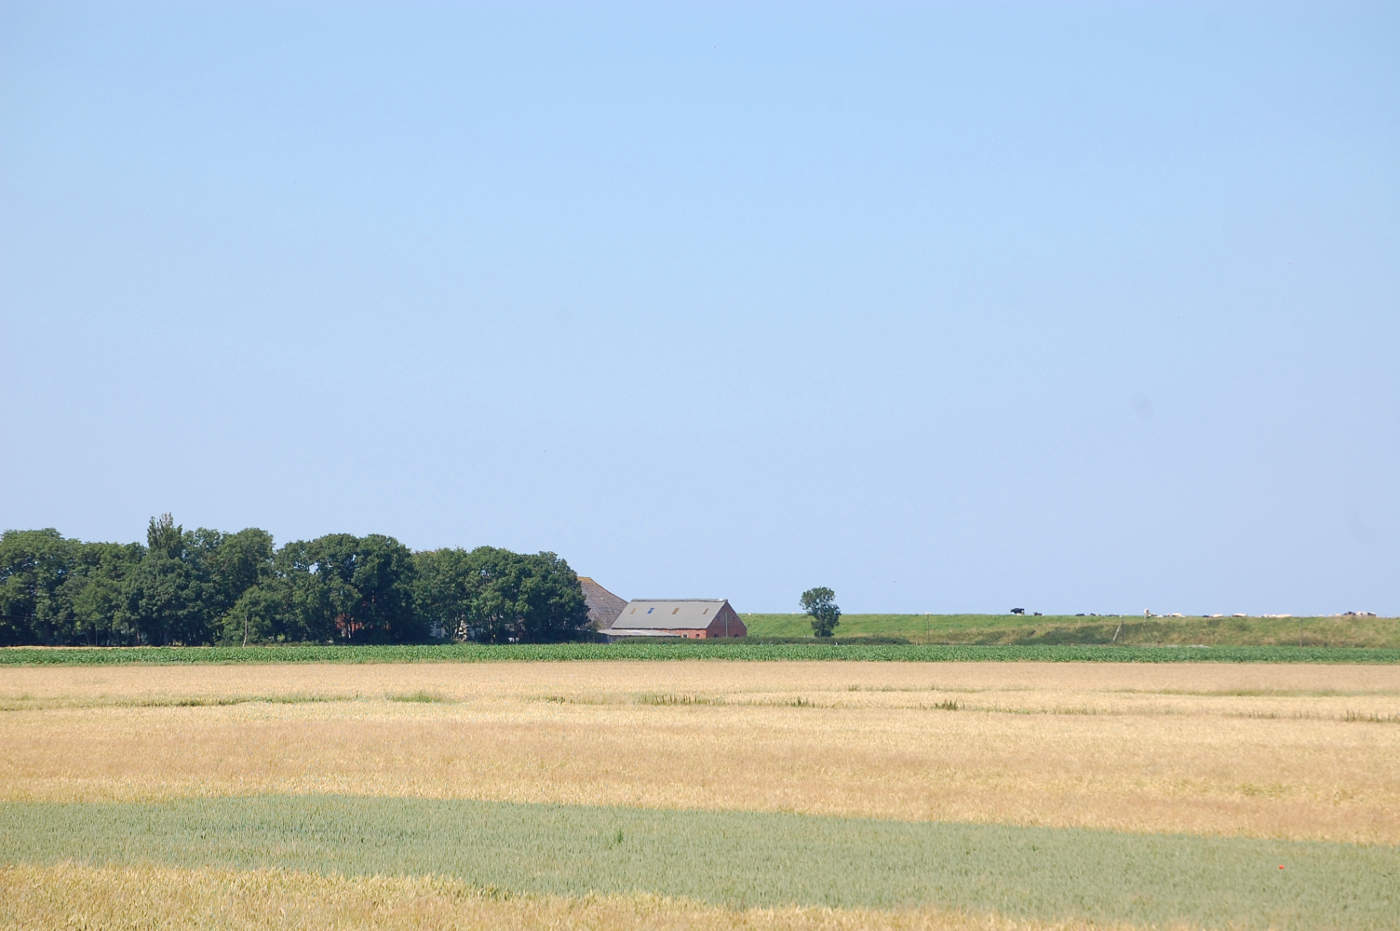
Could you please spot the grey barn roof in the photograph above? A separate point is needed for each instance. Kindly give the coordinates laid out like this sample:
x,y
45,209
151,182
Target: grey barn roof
x,y
668,614
603,605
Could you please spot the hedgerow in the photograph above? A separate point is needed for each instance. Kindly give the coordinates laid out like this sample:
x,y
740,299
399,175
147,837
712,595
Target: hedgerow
x,y
680,650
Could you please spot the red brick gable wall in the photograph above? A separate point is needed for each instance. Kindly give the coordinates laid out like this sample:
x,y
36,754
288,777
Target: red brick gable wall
x,y
735,627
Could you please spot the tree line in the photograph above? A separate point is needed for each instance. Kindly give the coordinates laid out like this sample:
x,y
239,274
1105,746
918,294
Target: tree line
x,y
206,586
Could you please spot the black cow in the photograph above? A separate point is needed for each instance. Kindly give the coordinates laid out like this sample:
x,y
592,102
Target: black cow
x,y
1018,610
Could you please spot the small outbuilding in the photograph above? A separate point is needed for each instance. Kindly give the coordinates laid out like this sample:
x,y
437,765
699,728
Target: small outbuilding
x,y
603,605
690,618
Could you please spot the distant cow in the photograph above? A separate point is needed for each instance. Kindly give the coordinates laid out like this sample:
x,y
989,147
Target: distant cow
x,y
1018,610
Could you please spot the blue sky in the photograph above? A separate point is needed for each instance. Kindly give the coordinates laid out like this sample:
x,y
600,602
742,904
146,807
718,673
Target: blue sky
x,y
948,307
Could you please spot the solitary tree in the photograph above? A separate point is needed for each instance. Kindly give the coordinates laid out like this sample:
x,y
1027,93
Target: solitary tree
x,y
820,603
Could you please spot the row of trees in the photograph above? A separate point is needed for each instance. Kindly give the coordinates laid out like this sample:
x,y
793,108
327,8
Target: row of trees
x,y
206,586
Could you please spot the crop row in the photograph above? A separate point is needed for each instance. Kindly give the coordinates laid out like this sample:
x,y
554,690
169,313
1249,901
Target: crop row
x,y
679,650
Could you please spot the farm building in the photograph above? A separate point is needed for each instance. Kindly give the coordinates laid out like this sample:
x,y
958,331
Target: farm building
x,y
691,618
603,605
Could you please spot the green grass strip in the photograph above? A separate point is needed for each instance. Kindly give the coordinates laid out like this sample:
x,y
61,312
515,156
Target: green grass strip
x,y
699,649
1009,629
738,859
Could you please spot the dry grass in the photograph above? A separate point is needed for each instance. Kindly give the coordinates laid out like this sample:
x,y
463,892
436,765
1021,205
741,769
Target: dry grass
x,y
1209,749
140,897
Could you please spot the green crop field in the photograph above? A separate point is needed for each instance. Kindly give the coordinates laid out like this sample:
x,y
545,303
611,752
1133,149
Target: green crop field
x,y
739,860
851,649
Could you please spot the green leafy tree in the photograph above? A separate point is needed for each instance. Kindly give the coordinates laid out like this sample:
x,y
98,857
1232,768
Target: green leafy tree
x,y
550,601
495,583
172,596
383,582
260,614
165,536
291,602
492,595
336,587
96,588
443,591
820,604
308,613
163,602
204,585
237,563
34,568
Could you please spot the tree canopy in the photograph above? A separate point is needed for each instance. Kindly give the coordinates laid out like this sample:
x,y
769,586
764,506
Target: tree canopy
x,y
492,595
206,586
820,603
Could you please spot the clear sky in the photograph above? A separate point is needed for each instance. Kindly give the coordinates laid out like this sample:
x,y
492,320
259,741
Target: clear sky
x,y
948,307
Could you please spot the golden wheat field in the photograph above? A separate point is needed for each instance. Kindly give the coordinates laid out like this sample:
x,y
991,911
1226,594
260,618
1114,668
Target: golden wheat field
x,y
1286,752
280,899
1270,751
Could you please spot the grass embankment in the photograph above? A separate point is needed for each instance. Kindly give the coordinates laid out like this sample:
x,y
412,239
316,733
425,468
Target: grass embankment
x,y
1011,629
736,859
842,648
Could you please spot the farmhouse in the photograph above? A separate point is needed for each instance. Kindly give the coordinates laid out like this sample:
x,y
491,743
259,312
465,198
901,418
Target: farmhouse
x,y
691,618
603,605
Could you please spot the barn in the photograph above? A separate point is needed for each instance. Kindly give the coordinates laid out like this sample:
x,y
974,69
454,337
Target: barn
x,y
603,605
691,618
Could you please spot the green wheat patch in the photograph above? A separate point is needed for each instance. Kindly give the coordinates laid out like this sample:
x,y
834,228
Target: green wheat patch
x,y
737,859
